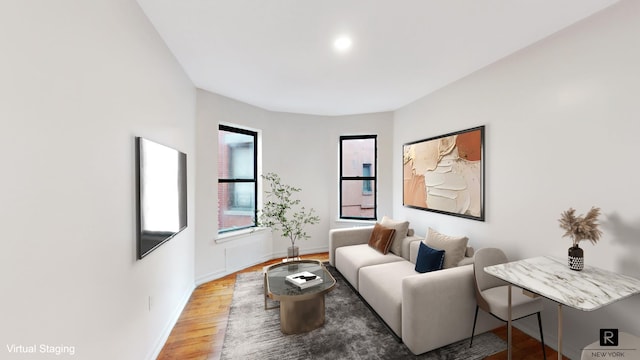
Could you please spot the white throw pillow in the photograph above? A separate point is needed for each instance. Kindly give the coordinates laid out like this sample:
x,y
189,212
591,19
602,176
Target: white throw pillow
x,y
454,247
401,228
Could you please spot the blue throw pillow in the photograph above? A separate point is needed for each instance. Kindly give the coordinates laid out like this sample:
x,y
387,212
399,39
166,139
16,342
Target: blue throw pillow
x,y
429,259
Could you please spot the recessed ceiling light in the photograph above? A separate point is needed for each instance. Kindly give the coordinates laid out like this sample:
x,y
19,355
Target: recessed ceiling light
x,y
342,43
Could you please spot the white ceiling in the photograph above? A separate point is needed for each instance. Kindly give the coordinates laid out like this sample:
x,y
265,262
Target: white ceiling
x,y
278,55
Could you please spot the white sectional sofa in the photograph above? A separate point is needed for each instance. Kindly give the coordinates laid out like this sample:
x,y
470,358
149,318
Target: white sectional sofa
x,y
426,310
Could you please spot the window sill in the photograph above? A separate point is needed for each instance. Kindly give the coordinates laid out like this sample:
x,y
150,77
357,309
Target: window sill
x,y
354,221
233,235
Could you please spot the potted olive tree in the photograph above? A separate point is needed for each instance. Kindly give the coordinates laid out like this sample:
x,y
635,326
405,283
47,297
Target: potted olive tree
x,y
282,212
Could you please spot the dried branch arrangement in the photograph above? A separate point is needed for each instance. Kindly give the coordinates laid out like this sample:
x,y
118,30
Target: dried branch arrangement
x,y
583,227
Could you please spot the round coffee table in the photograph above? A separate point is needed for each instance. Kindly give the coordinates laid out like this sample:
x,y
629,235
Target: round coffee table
x,y
301,310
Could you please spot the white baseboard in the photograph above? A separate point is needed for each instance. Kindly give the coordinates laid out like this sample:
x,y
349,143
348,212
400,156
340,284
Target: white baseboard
x,y
214,275
224,272
302,252
171,323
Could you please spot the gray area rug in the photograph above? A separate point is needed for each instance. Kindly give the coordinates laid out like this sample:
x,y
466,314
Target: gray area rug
x,y
351,331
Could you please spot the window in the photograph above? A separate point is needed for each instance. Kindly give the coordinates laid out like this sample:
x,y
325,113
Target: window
x,y
366,184
237,179
358,177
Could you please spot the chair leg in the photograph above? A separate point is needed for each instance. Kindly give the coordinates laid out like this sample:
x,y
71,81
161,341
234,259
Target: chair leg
x,y
544,353
475,318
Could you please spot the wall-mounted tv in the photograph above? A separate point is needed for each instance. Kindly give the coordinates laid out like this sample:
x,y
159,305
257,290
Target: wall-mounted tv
x,y
161,182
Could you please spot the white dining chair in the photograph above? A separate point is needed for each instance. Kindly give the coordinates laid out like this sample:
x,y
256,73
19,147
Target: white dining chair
x,y
492,293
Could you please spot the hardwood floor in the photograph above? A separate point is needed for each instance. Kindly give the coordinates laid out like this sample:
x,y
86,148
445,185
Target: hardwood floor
x,y
199,332
524,347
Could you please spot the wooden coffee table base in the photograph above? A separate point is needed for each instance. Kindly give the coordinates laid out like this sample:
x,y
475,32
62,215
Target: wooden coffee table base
x,y
299,316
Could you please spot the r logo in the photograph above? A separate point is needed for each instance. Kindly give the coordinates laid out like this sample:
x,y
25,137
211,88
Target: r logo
x,y
608,337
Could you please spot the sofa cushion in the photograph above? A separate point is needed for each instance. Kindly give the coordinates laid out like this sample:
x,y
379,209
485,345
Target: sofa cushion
x,y
350,259
381,238
429,259
454,247
401,227
381,287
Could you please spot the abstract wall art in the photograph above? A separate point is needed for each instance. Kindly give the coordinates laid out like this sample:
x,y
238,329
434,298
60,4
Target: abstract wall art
x,y
445,174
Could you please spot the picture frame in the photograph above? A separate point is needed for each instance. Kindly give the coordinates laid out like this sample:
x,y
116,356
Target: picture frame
x,y
445,174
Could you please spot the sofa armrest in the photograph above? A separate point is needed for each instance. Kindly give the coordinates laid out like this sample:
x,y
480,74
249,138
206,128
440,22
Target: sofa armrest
x,y
346,237
438,309
409,243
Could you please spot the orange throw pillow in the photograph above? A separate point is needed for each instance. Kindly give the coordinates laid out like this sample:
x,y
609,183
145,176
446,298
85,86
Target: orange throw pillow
x,y
381,238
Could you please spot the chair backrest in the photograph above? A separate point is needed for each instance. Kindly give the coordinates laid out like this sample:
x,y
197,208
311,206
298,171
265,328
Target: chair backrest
x,y
487,257
483,281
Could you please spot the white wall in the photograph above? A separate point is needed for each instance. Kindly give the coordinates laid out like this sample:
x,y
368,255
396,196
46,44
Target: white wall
x,y
304,151
78,80
561,131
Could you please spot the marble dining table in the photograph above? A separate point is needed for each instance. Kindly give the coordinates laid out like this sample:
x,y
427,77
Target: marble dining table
x,y
549,277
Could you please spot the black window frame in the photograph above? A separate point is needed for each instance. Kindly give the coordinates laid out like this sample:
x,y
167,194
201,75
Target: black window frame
x,y
372,179
254,180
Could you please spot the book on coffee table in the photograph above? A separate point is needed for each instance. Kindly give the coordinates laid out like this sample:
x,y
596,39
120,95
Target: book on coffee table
x,y
304,279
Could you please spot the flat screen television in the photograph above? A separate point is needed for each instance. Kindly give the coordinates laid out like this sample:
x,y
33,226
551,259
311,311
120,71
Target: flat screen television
x,y
161,182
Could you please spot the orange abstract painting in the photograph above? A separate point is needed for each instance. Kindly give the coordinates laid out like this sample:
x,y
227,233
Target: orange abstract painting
x,y
446,174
